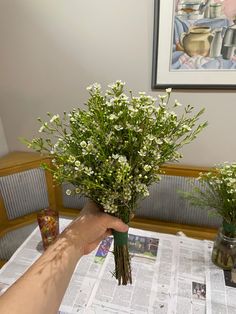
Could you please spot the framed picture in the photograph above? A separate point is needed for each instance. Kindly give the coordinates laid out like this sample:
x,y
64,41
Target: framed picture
x,y
194,44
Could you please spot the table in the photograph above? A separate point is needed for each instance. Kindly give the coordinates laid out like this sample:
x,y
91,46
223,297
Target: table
x,y
171,274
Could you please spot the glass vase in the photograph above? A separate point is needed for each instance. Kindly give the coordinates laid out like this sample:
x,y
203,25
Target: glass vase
x,y
224,251
48,221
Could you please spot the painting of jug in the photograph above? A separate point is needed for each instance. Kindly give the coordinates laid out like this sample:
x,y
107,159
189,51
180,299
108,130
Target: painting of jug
x,y
197,41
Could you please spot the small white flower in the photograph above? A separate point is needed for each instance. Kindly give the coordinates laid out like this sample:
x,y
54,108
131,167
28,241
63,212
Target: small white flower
x,y
84,152
186,127
83,144
169,90
115,156
56,117
119,82
95,86
116,84
113,85
77,163
142,153
162,97
68,192
42,129
88,171
177,104
132,109
122,159
167,140
150,110
129,126
173,114
137,129
71,159
89,147
90,87
150,137
113,117
147,168
159,142
118,127
124,97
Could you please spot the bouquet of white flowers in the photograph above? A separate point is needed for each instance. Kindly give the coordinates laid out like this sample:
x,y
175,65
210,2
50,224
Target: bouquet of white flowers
x,y
216,193
112,151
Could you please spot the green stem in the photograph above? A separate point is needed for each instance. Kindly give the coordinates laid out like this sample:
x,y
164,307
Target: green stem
x,y
120,238
229,229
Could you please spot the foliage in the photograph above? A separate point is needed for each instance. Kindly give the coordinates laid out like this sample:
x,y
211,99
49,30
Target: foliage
x,y
112,151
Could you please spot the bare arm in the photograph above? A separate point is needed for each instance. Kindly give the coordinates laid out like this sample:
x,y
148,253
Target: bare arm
x,y
41,289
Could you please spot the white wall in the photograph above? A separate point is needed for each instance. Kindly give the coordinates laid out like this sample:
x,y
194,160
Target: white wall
x,y
3,142
51,50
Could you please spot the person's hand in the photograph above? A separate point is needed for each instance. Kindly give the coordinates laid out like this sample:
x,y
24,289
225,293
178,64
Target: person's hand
x,y
92,226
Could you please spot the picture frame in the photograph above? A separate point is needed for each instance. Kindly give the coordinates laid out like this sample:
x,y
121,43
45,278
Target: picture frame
x,y
174,66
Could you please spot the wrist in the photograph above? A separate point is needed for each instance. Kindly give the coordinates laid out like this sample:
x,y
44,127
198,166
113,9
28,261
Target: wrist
x,y
70,240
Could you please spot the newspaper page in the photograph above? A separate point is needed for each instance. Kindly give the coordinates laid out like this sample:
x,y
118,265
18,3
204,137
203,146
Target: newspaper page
x,y
190,287
168,275
221,286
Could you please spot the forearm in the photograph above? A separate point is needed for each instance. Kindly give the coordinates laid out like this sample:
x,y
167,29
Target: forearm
x,y
42,287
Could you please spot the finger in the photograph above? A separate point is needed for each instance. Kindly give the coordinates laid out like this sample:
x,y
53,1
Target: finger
x,y
117,224
107,233
90,247
104,236
93,245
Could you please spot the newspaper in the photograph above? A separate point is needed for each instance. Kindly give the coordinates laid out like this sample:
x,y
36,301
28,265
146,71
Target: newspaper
x,y
221,284
168,275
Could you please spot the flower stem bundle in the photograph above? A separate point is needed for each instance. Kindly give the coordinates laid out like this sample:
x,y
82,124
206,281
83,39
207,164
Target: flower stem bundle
x,y
122,258
111,151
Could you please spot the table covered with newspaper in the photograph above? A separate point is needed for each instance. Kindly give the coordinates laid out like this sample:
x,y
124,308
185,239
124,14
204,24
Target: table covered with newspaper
x,y
171,274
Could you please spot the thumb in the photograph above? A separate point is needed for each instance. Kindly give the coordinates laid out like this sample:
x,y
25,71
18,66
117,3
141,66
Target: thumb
x,y
117,224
